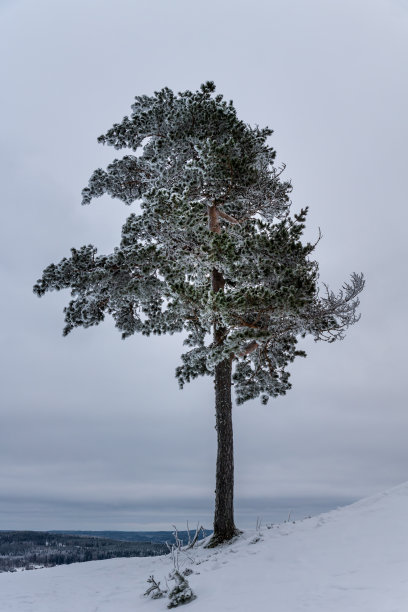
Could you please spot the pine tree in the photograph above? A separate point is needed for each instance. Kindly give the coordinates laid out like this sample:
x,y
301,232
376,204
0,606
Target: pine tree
x,y
212,252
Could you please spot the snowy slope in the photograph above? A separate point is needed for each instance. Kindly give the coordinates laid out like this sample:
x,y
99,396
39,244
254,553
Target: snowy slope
x,y
350,560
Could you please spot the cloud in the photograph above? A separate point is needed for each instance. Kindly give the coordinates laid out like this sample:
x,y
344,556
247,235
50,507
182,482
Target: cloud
x,y
90,421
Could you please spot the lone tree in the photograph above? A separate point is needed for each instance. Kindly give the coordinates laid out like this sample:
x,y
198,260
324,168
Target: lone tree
x,y
211,251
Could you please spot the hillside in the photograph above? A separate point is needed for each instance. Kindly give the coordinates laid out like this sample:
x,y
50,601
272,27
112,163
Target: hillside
x,y
354,559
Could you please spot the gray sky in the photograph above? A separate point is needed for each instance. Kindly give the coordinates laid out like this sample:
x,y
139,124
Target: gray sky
x,y
94,432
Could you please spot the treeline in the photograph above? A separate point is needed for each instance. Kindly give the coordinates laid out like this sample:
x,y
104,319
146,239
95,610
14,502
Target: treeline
x,y
32,549
142,536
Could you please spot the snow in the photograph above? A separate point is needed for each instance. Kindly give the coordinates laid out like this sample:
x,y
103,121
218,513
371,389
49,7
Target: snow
x,y
354,559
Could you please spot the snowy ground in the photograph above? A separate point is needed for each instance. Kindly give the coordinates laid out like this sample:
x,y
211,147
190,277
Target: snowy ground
x,y
350,560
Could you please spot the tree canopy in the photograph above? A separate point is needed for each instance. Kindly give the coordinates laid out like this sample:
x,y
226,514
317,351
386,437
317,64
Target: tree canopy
x,y
209,199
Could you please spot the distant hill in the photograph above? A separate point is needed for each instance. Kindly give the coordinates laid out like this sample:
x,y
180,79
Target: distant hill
x,y
137,536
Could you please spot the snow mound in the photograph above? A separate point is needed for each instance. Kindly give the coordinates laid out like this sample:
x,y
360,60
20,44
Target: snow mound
x,y
354,559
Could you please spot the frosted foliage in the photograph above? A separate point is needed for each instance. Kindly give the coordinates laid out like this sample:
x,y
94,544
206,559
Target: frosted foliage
x,y
181,593
195,159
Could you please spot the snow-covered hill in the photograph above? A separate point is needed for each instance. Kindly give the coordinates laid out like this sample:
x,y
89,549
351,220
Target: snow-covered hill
x,y
350,560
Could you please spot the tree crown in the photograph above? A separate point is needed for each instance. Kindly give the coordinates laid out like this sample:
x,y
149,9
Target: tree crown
x,y
211,201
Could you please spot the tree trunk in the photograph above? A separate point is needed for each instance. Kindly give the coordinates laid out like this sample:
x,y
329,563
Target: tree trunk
x,y
224,527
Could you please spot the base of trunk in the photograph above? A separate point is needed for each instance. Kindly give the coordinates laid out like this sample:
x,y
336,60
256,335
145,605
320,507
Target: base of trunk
x,y
221,538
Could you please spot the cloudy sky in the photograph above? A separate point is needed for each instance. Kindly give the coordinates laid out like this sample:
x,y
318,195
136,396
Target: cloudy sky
x,y
94,432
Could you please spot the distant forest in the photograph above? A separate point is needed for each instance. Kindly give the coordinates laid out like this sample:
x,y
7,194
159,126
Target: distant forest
x,y
142,536
33,549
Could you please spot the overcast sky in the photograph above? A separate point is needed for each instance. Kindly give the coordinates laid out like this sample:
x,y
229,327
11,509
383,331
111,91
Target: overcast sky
x,y
94,433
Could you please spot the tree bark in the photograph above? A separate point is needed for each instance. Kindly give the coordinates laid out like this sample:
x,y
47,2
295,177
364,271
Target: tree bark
x,y
224,526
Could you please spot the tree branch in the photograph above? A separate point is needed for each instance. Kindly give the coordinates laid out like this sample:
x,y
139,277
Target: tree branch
x,y
224,215
249,349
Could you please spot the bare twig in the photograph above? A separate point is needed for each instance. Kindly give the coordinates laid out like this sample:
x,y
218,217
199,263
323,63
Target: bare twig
x,y
196,536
